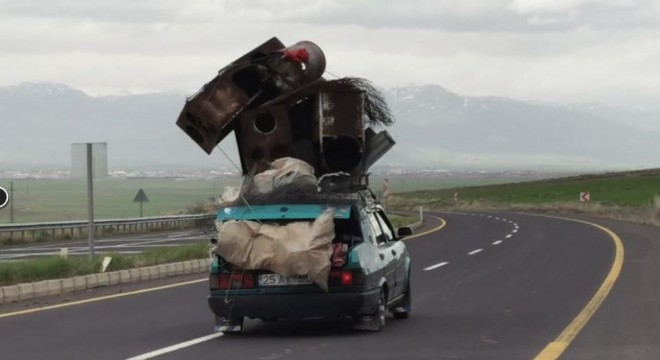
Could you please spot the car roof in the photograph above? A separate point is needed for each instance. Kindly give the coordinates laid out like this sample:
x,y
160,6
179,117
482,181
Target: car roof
x,y
282,212
308,207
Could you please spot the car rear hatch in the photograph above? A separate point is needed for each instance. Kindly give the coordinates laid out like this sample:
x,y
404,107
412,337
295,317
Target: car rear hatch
x,y
345,274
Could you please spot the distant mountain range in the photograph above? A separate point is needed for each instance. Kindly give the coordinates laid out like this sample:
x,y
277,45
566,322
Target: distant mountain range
x,y
435,127
445,126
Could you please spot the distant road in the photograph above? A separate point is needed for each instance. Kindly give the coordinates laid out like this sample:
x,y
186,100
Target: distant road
x,y
126,244
486,286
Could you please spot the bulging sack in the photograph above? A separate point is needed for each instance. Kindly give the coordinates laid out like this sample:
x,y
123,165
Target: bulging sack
x,y
299,248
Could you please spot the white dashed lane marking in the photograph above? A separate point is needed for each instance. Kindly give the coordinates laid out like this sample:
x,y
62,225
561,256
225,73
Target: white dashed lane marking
x,y
475,251
176,347
436,266
496,242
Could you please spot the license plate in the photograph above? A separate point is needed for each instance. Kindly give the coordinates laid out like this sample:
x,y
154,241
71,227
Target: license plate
x,y
282,280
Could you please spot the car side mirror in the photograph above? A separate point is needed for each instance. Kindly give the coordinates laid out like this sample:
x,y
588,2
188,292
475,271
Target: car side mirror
x,y
404,231
214,241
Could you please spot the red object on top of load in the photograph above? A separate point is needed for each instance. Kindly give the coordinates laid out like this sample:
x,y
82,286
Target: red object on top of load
x,y
297,55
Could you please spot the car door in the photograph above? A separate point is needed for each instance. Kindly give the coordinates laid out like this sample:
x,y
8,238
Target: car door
x,y
386,257
396,248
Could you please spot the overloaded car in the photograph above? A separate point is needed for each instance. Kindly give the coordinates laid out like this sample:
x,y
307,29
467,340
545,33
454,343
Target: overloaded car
x,y
367,277
303,236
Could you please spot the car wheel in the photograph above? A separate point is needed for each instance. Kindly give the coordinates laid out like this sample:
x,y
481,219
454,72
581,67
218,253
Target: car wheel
x,y
402,310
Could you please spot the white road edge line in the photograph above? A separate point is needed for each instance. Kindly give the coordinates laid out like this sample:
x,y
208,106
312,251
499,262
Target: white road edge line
x,y
176,347
475,251
436,266
514,231
508,236
497,242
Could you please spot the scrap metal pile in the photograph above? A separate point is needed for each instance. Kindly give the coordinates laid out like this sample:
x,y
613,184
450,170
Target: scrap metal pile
x,y
298,135
277,103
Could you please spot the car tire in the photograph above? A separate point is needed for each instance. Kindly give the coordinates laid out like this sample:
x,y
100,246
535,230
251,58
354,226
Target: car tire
x,y
402,310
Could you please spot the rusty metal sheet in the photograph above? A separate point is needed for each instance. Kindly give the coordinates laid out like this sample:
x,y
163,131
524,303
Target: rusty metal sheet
x,y
263,135
376,145
259,76
327,133
207,117
340,128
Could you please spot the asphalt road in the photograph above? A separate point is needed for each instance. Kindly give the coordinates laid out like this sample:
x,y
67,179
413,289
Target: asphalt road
x,y
498,287
123,244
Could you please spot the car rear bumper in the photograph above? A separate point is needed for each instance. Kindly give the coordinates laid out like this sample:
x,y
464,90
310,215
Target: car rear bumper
x,y
299,305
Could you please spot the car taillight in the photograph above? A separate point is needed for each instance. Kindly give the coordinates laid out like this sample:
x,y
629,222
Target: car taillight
x,y
248,281
346,278
341,277
235,281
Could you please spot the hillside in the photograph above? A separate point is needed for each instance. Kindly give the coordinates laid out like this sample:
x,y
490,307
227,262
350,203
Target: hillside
x,y
475,131
632,188
435,128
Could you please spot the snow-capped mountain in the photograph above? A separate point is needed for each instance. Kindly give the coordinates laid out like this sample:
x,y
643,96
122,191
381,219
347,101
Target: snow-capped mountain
x,y
435,127
441,125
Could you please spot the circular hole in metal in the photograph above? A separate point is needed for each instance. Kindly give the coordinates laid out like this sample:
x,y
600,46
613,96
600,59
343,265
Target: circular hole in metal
x,y
265,123
257,154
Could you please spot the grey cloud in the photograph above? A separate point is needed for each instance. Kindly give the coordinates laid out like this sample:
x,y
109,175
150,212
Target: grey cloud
x,y
119,11
573,50
442,15
464,16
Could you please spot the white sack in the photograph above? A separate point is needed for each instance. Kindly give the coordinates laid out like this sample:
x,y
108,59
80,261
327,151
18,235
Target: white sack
x,y
297,248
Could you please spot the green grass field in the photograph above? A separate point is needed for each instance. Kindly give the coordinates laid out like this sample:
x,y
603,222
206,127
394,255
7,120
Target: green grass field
x,y
56,200
66,199
54,267
636,188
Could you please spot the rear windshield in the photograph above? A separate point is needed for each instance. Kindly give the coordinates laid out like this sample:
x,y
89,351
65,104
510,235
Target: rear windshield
x,y
347,232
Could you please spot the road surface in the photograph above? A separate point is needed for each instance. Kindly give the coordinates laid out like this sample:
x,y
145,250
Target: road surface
x,y
485,286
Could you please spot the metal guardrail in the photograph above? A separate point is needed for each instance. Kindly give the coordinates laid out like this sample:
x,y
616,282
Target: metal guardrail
x,y
79,227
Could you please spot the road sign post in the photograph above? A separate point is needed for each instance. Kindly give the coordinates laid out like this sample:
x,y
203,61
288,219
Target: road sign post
x,y
90,200
141,197
11,203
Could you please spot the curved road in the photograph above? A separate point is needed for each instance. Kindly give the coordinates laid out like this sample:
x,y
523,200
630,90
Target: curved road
x,y
485,286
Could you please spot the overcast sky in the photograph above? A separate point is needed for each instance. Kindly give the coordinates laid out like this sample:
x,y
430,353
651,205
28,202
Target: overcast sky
x,y
598,51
